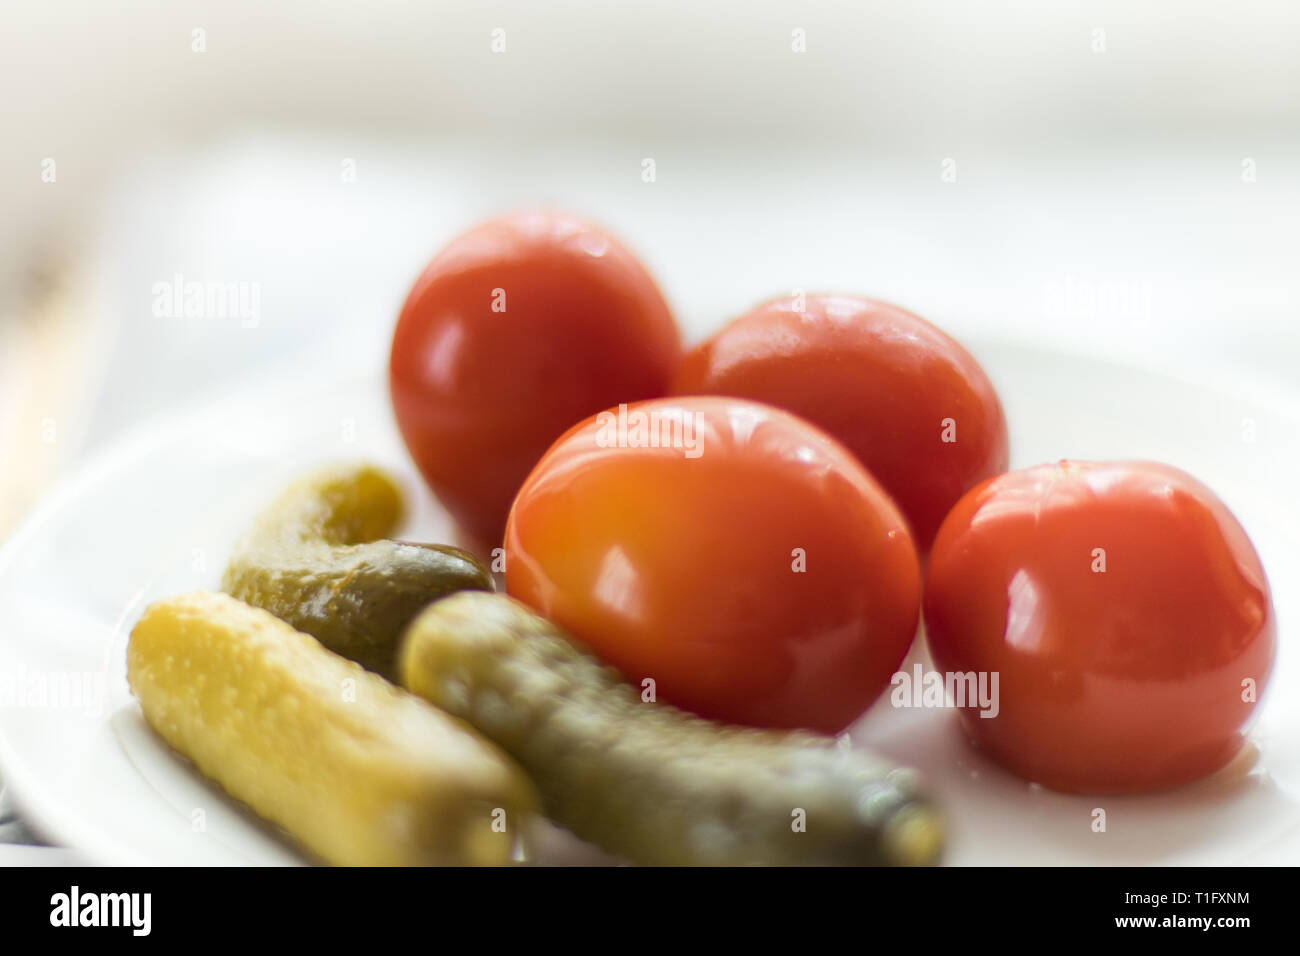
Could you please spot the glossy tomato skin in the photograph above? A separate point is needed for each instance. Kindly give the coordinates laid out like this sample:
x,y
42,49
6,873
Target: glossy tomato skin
x,y
685,569
516,330
1122,606
907,399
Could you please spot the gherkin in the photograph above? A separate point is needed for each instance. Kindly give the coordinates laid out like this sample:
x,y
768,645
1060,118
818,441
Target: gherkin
x,y
647,781
359,771
316,558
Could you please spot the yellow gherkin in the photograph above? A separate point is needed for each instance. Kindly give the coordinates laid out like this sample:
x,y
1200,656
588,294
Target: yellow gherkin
x,y
359,771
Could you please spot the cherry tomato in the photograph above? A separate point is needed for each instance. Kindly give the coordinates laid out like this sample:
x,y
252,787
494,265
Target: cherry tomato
x,y
1125,612
751,568
910,402
516,330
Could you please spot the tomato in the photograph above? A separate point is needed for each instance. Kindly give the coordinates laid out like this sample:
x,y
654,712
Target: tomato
x,y
516,330
1125,612
733,554
908,400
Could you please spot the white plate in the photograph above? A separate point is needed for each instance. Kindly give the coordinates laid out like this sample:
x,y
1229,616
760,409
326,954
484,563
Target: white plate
x,y
156,515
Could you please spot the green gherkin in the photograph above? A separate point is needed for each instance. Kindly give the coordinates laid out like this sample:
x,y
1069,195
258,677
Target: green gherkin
x,y
647,781
312,559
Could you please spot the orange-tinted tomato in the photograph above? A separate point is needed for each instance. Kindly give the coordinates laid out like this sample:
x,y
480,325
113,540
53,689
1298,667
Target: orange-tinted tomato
x,y
751,568
907,399
1127,616
515,331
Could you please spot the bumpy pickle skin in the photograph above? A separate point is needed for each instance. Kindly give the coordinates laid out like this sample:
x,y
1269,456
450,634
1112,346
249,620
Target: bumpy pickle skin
x,y
312,559
647,781
359,771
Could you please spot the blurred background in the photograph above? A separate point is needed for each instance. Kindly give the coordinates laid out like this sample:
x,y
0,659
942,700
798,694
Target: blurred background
x,y
1106,177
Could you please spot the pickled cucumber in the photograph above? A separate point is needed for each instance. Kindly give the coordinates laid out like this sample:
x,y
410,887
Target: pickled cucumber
x,y
644,780
359,771
312,559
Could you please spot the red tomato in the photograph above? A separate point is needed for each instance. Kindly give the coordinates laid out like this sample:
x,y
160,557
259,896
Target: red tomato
x,y
1125,612
759,575
910,402
516,330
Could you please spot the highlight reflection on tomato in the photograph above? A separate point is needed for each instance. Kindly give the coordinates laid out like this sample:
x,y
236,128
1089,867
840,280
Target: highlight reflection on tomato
x,y
906,398
516,330
761,577
1125,611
